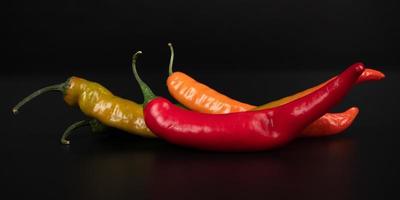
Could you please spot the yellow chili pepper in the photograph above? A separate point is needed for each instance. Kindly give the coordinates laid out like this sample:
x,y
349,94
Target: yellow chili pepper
x,y
99,103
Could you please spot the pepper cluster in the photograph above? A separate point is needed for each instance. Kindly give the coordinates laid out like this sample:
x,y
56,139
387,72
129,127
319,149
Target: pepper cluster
x,y
211,120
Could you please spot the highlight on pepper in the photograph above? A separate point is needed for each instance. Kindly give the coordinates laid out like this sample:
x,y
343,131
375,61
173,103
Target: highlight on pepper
x,y
215,121
242,131
89,96
201,98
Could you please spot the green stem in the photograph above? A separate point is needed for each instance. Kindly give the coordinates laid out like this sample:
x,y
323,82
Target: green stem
x,y
67,133
96,126
171,60
58,87
148,95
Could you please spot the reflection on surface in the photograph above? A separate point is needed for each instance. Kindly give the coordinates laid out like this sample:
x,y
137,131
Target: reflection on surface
x,y
286,173
291,172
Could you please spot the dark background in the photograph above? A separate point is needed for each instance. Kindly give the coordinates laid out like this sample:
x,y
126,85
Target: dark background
x,y
254,51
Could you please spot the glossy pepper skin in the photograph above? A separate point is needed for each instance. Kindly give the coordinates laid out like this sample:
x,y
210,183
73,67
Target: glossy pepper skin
x,y
366,76
99,103
243,131
199,97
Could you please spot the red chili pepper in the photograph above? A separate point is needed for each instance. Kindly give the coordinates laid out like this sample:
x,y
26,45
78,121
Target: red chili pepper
x,y
244,131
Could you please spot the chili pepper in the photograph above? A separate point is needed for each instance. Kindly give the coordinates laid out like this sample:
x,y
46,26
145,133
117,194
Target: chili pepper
x,y
367,75
199,97
99,103
243,131
331,123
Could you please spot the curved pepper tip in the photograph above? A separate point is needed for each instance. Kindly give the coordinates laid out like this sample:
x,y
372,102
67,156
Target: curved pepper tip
x,y
371,75
375,74
353,111
352,114
331,123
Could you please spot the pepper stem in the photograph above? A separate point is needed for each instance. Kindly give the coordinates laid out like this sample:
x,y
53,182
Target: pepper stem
x,y
68,131
57,87
171,60
95,125
148,95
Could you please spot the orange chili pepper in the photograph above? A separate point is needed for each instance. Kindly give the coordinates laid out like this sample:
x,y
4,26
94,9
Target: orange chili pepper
x,y
201,98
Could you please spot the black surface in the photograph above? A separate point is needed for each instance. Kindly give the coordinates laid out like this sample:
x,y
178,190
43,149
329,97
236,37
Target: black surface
x,y
361,163
254,51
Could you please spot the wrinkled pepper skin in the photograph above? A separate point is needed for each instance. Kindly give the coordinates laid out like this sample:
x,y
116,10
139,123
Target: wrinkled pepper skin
x,y
249,130
99,104
201,98
96,101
